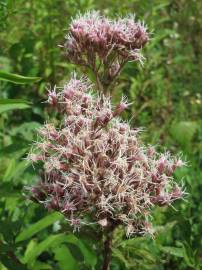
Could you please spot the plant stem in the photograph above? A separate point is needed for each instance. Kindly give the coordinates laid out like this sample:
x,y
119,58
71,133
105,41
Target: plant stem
x,y
108,249
99,83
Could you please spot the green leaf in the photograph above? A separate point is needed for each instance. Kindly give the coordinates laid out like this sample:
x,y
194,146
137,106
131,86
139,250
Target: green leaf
x,y
120,256
189,256
29,248
135,242
64,258
89,256
37,249
13,104
142,253
183,132
18,79
178,252
38,226
14,170
54,241
11,264
27,130
41,266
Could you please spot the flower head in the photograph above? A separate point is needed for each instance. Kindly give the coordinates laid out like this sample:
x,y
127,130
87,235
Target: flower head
x,y
93,33
103,45
95,167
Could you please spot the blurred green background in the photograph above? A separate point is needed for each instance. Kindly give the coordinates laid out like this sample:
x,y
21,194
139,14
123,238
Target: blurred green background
x,y
167,101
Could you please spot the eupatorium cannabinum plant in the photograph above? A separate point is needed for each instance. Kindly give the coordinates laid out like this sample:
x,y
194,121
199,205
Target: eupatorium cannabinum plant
x,y
95,169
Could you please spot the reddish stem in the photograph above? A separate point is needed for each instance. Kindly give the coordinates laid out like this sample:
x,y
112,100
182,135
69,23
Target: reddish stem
x,y
108,249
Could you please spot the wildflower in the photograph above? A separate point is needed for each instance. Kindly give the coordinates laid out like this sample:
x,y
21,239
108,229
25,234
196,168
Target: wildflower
x,y
95,166
105,45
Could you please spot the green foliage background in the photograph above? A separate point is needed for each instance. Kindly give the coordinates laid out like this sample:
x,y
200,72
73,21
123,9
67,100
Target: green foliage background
x,y
167,101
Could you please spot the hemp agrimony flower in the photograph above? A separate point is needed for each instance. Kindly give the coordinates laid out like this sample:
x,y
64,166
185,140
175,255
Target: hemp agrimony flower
x,y
104,46
95,168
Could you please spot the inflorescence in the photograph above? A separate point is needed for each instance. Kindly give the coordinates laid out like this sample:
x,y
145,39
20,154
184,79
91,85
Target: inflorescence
x,y
95,168
104,46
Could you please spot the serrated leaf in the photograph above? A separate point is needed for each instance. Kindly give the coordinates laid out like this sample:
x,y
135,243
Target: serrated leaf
x,y
17,79
178,252
142,253
131,242
188,254
38,226
119,255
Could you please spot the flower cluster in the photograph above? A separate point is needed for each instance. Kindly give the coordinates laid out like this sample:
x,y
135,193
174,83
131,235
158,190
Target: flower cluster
x,y
95,168
93,38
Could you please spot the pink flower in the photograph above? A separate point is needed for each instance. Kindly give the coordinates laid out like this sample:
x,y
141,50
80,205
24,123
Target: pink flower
x,y
104,46
94,165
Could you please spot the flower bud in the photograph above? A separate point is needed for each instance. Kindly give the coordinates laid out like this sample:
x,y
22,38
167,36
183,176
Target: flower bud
x,y
161,164
176,193
52,97
120,108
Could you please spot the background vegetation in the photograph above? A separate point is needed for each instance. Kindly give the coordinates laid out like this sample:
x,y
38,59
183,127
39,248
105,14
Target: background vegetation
x,y
167,102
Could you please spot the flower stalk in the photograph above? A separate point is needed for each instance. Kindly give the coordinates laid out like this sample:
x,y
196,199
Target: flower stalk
x,y
107,254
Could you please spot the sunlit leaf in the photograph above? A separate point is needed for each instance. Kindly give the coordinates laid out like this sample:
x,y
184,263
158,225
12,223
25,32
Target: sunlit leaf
x,y
38,226
65,259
